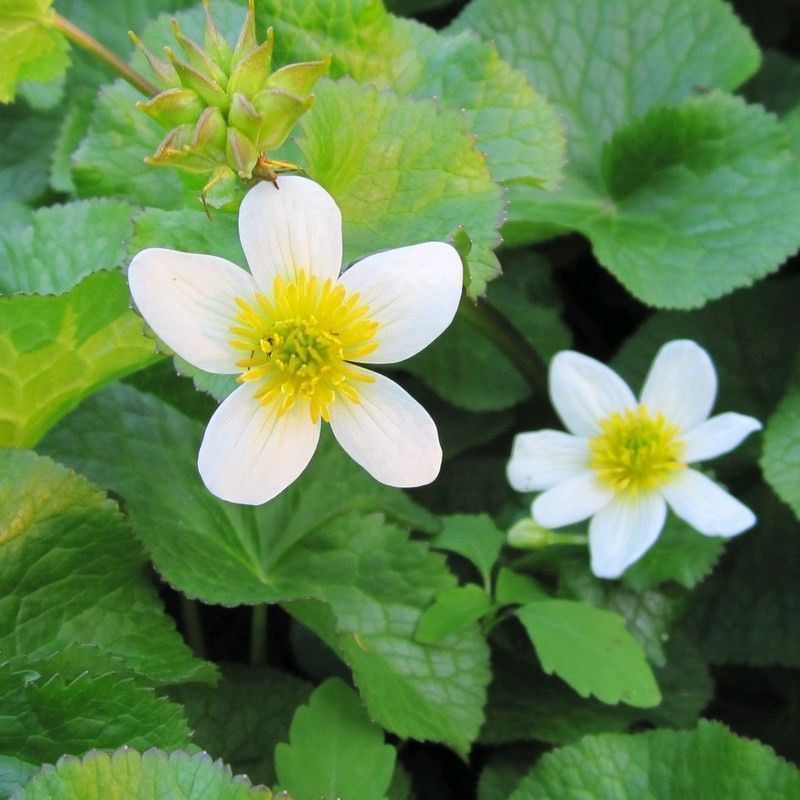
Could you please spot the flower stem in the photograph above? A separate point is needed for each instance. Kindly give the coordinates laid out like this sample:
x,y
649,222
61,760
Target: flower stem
x,y
488,321
192,626
79,37
258,634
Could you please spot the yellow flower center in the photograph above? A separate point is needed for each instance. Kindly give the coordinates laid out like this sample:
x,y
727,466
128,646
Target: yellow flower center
x,y
298,343
636,451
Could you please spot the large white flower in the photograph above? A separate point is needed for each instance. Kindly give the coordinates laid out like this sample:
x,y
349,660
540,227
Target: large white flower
x,y
624,461
294,330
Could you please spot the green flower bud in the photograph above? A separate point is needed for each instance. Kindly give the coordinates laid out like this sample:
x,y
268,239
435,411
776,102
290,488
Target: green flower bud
x,y
173,107
247,76
529,535
241,152
198,59
279,111
299,79
244,117
224,108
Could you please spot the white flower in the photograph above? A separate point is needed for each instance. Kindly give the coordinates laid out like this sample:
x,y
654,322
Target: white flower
x,y
623,461
291,329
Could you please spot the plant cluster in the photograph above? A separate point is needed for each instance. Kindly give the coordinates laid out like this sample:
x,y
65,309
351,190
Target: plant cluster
x,y
399,408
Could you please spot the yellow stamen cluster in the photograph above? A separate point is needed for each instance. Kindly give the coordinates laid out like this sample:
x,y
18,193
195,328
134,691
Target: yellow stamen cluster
x,y
637,451
299,340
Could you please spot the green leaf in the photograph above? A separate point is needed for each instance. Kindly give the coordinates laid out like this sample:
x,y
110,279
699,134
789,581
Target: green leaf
x,y
517,588
189,230
335,750
649,614
217,551
377,585
591,650
780,460
748,612
47,712
54,351
71,131
705,201
432,692
26,139
453,611
402,171
696,43
475,537
709,762
712,158
31,47
61,245
680,554
70,571
518,130
244,717
153,775
14,775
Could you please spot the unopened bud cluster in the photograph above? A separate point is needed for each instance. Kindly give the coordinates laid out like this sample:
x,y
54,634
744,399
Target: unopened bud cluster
x,y
224,107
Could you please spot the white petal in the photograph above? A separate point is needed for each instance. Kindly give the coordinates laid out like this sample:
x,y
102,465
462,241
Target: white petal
x,y
706,506
584,392
295,226
570,501
413,292
541,459
249,454
188,300
388,433
718,435
623,531
681,384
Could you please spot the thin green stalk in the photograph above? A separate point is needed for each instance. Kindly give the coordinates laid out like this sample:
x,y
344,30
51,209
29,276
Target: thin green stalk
x,y
79,37
258,634
192,625
497,329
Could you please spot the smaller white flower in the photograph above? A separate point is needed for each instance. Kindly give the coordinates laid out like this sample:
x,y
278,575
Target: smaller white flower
x,y
624,461
295,330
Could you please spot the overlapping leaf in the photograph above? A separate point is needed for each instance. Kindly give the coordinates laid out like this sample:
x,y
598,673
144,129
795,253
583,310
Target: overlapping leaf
x,y
518,130
152,775
243,718
591,650
402,171
72,572
709,762
60,245
334,750
314,540
31,48
217,551
55,350
715,203
49,711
